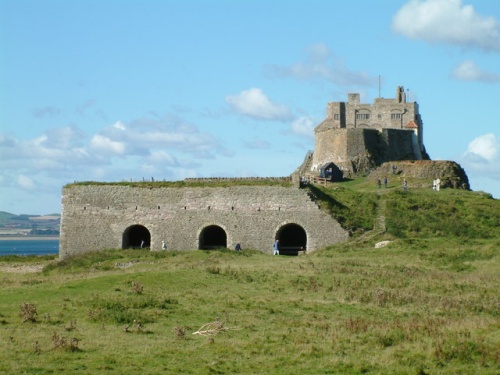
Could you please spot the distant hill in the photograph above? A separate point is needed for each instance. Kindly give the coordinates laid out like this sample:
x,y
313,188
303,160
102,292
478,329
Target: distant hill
x,y
11,224
5,215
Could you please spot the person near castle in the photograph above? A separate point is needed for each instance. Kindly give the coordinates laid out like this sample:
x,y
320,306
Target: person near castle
x,y
405,184
163,245
237,247
276,249
438,184
379,183
434,184
385,182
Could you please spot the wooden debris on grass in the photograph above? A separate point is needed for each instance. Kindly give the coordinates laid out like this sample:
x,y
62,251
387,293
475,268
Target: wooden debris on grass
x,y
212,328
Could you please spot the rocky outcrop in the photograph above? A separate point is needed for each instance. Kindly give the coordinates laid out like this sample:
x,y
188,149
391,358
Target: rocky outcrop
x,y
421,173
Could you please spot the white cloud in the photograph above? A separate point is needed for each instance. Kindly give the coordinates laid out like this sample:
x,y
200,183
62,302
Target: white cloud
x,y
469,71
106,145
44,152
321,64
162,158
25,183
118,151
486,147
447,21
482,157
303,126
254,103
66,137
144,136
119,125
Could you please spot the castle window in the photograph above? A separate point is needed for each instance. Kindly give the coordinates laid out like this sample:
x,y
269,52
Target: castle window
x,y
336,116
362,116
395,116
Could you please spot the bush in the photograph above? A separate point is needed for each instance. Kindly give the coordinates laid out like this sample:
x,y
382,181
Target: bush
x,y
28,312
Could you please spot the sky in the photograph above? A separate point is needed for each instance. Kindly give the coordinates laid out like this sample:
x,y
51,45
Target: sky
x,y
120,90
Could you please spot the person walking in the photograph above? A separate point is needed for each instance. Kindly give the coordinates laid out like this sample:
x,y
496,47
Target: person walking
x,y
276,249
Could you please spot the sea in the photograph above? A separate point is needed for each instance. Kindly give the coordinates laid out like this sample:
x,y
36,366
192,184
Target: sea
x,y
29,247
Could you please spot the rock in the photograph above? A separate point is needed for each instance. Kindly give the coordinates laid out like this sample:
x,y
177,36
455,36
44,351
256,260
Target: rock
x,y
380,244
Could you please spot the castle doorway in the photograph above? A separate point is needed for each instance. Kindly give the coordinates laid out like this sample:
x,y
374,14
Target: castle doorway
x,y
136,237
212,237
292,238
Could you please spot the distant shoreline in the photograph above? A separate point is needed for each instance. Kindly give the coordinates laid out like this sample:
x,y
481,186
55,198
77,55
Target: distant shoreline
x,y
29,238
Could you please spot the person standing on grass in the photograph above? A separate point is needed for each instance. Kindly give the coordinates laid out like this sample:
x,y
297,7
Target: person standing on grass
x,y
379,183
385,182
237,247
405,184
276,250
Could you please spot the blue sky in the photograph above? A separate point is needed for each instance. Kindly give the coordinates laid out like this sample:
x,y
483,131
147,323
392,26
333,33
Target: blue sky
x,y
113,90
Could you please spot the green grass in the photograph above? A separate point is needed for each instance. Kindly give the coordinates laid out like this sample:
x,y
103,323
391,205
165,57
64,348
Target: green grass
x,y
427,303
215,182
353,209
445,213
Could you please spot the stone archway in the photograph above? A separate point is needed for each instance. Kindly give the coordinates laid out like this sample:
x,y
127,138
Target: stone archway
x,y
136,237
292,238
212,237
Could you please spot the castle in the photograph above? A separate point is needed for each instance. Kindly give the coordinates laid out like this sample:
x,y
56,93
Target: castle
x,y
357,137
354,138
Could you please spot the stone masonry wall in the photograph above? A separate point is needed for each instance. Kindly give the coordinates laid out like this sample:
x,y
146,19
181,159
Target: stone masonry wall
x,y
400,145
95,217
330,146
359,148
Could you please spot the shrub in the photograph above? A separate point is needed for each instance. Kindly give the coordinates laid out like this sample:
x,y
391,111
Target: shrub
x,y
28,312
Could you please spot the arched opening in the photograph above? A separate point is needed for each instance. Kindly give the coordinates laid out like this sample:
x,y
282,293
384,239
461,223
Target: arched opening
x,y
136,237
212,237
292,239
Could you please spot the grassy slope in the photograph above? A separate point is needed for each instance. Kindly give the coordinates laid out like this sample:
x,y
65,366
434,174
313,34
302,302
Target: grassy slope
x,y
426,303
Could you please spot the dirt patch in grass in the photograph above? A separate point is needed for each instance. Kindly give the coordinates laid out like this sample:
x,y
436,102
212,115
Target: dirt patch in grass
x,y
21,268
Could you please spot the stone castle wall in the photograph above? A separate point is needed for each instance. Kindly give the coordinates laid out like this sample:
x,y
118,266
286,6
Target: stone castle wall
x,y
356,136
331,146
400,145
95,217
353,150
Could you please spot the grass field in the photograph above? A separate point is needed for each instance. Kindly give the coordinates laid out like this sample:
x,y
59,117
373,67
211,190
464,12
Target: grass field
x,y
427,303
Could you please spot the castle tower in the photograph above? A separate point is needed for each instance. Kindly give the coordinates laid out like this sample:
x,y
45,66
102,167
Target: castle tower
x,y
357,136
